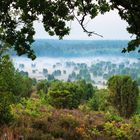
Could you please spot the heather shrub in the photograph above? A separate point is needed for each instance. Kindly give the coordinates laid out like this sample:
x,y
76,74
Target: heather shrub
x,y
120,131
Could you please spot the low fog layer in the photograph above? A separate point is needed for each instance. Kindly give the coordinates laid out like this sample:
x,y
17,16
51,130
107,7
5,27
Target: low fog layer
x,y
93,69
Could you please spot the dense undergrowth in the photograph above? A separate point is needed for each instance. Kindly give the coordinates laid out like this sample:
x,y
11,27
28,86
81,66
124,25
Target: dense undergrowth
x,y
36,119
41,122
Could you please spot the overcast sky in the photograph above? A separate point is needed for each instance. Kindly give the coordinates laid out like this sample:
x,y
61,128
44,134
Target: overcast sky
x,y
109,25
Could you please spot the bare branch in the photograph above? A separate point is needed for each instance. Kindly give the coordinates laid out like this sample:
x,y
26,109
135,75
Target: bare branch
x,y
81,22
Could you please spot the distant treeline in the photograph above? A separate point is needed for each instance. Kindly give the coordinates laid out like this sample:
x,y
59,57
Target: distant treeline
x,y
81,48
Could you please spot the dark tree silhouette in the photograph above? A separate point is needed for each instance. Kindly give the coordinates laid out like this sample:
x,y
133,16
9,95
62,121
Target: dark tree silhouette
x,y
17,17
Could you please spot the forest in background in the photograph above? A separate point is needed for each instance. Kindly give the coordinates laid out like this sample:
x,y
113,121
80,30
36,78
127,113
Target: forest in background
x,y
70,60
80,48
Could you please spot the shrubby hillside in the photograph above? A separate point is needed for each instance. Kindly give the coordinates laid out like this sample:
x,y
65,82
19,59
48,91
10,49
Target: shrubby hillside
x,y
58,110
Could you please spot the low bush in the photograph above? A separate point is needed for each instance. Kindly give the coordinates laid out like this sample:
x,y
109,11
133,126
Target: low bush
x,y
135,119
68,94
120,131
30,107
113,117
99,101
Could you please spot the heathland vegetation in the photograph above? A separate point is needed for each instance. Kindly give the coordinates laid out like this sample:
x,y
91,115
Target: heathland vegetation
x,y
58,110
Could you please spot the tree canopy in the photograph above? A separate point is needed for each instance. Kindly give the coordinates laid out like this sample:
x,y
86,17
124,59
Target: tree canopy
x,y
124,94
17,17
11,81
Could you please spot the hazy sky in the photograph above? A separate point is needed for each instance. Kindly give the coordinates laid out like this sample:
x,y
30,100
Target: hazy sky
x,y
109,25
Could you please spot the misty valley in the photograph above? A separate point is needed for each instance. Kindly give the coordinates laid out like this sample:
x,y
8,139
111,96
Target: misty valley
x,y
73,90
58,81
68,60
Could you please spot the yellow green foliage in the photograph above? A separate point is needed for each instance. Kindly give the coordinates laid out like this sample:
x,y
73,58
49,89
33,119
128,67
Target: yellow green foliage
x,y
119,130
29,107
54,124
